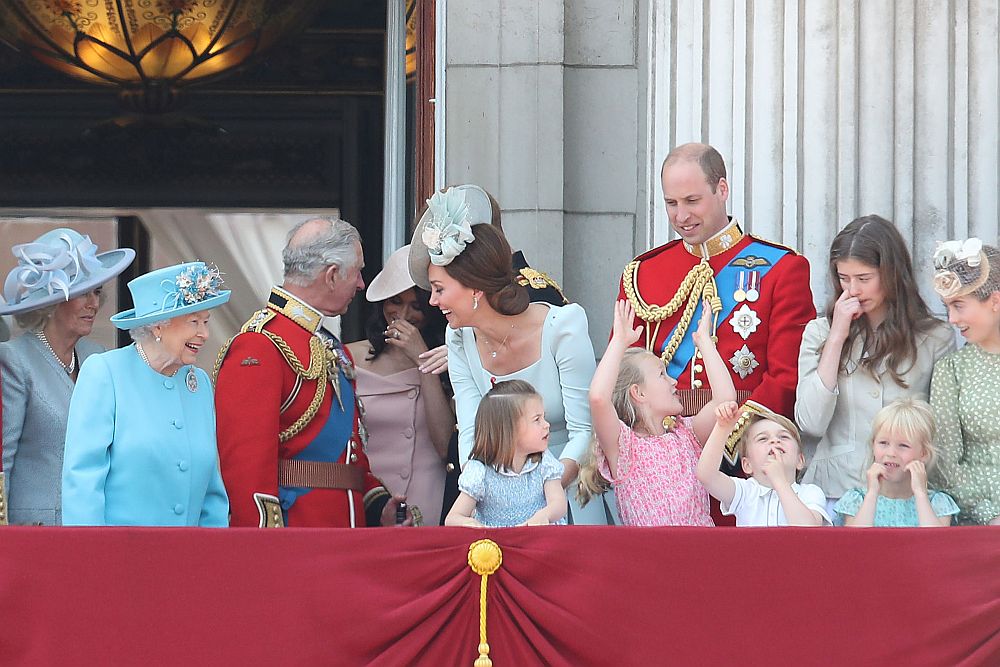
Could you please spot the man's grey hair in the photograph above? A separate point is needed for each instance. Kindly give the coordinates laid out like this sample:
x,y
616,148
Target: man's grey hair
x,y
331,245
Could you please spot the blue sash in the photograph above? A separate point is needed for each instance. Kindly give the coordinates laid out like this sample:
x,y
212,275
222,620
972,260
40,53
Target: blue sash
x,y
725,281
329,443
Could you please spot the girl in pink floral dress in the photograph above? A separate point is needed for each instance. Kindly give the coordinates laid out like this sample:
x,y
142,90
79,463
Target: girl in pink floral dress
x,y
645,449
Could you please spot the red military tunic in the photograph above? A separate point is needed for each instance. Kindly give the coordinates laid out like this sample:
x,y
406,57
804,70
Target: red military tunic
x,y
762,355
268,411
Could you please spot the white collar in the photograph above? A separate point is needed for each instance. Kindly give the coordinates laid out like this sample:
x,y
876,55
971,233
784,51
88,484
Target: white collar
x,y
762,490
528,466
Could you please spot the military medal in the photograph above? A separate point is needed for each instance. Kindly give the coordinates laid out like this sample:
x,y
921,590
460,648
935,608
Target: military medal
x,y
333,370
191,380
740,295
743,362
753,294
745,321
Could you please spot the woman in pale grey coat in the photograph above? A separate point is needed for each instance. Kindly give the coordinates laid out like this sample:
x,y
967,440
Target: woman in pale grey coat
x,y
54,293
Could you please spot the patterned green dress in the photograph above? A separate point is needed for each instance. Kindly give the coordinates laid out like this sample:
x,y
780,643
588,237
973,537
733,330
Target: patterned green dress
x,y
965,395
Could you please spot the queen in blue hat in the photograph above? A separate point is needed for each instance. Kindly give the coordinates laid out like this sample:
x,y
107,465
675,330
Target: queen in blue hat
x,y
140,440
54,293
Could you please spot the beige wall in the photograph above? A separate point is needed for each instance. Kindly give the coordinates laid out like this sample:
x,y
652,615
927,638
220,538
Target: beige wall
x,y
825,110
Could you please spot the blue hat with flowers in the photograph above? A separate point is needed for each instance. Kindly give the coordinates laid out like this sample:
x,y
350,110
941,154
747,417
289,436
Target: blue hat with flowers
x,y
59,265
170,292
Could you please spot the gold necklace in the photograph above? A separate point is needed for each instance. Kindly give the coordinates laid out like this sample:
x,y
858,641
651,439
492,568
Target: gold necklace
x,y
493,351
71,366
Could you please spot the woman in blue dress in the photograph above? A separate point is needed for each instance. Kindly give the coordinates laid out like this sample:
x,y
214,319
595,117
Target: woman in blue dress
x,y
495,334
54,294
140,440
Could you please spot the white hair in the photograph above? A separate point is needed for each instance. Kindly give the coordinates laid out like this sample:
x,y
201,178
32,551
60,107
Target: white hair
x,y
145,332
331,245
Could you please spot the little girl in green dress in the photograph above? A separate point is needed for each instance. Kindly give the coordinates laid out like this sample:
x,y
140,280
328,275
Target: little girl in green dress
x,y
901,451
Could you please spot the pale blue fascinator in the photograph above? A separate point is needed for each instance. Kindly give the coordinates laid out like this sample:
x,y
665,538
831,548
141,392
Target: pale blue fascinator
x,y
59,265
445,229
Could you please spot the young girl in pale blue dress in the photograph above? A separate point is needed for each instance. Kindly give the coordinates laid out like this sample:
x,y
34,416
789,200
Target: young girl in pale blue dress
x,y
901,453
511,478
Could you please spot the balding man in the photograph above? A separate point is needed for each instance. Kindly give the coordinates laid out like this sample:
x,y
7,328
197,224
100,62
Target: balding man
x,y
291,438
763,290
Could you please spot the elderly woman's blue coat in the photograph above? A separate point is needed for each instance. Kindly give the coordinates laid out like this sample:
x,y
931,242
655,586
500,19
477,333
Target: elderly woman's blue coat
x,y
140,447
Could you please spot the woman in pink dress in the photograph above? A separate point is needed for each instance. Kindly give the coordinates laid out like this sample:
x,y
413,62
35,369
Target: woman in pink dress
x,y
407,410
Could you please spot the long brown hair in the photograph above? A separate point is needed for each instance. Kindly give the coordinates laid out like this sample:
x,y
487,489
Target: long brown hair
x,y
496,423
485,264
876,242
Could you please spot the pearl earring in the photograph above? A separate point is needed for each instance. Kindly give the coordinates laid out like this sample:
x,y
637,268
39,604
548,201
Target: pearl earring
x,y
157,339
475,302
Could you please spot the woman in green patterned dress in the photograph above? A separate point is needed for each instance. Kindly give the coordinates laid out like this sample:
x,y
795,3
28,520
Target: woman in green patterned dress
x,y
966,383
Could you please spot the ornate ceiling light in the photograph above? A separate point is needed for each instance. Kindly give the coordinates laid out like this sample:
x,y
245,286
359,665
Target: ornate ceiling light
x,y
148,48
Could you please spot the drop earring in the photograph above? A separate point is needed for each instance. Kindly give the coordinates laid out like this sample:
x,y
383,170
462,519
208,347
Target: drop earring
x,y
157,339
475,302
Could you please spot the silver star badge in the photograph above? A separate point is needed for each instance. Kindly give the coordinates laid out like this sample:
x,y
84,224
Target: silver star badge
x,y
745,321
744,361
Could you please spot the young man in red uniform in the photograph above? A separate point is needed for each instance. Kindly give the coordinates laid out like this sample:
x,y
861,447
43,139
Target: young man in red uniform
x,y
764,300
290,429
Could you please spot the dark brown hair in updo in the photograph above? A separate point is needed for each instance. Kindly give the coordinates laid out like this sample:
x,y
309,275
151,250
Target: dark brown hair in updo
x,y
485,264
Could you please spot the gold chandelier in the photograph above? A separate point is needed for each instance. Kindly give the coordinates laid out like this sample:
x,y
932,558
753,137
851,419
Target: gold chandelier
x,y
147,48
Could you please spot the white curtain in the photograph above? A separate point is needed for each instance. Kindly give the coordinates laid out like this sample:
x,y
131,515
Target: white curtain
x,y
245,246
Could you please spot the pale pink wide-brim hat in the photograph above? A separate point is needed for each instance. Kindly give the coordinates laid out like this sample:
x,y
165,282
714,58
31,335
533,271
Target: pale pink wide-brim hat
x,y
393,279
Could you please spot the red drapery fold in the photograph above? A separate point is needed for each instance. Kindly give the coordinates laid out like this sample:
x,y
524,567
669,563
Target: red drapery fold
x,y
563,596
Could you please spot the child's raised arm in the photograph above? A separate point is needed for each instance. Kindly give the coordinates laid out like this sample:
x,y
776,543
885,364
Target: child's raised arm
x,y
718,483
719,379
461,512
602,409
555,505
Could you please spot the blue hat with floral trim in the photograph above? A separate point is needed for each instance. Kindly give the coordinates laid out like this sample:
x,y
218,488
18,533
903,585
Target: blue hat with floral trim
x,y
59,265
170,292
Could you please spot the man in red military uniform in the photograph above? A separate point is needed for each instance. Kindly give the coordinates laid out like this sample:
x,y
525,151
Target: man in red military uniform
x,y
762,288
290,430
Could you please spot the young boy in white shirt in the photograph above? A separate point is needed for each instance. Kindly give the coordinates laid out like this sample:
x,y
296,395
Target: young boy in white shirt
x,y
770,450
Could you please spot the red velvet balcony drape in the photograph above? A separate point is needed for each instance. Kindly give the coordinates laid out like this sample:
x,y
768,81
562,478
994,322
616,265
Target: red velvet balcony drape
x,y
563,596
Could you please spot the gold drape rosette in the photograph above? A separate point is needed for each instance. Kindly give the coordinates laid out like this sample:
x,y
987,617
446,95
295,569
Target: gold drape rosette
x,y
485,558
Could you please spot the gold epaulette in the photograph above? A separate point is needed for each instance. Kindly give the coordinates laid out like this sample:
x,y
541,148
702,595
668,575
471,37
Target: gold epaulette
x,y
531,278
315,371
748,411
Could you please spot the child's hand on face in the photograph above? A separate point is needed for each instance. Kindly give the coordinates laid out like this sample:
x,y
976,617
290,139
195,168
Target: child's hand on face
x,y
918,477
726,414
703,334
774,469
875,474
622,329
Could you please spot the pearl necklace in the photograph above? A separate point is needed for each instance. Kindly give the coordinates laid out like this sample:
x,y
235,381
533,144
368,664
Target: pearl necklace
x,y
71,366
142,355
493,352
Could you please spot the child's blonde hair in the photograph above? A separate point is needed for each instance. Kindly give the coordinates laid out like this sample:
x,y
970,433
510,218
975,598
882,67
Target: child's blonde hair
x,y
592,482
784,422
629,373
496,423
911,418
